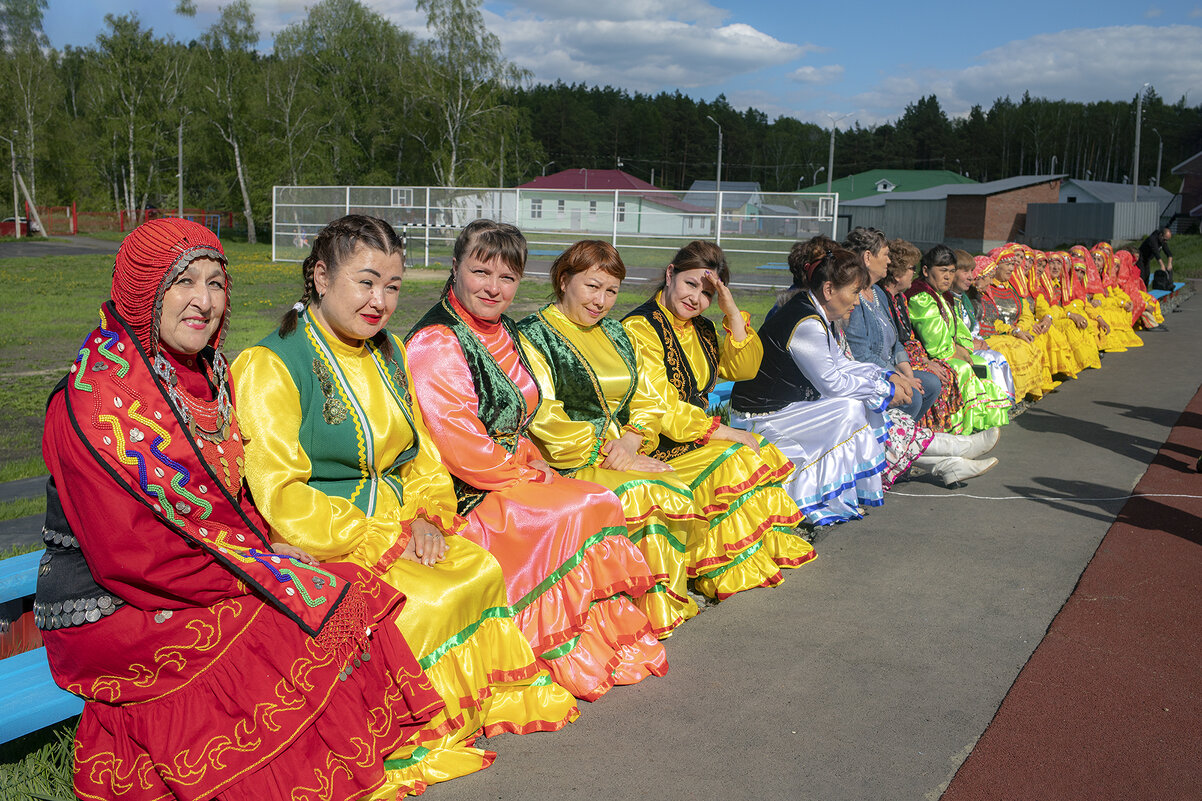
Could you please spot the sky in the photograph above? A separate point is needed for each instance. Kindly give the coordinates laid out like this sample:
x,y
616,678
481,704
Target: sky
x,y
812,61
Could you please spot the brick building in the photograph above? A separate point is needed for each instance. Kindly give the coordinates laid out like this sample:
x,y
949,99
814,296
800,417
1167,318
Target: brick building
x,y
976,217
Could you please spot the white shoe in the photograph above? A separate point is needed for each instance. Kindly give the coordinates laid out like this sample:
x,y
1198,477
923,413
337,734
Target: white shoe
x,y
953,469
969,447
982,442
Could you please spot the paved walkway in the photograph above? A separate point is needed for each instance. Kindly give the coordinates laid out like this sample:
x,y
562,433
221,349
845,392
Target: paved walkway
x,y
871,672
1110,706
69,246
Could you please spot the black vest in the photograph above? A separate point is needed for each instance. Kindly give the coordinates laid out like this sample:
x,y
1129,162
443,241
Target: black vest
x,y
779,381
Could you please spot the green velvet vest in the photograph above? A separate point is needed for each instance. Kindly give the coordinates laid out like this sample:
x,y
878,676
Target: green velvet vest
x,y
335,431
576,385
501,406
680,374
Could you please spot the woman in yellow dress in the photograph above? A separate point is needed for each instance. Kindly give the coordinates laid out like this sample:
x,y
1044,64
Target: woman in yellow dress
x,y
1031,377
1111,306
598,417
1053,296
736,477
1057,353
340,463
1115,294
1147,312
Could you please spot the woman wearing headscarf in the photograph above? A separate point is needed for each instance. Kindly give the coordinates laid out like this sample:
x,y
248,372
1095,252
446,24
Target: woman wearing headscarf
x,y
1002,332
340,463
571,572
1116,336
1012,271
1053,287
1115,296
736,477
213,663
1147,310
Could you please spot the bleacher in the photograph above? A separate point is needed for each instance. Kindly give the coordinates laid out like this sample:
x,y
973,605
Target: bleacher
x,y
29,698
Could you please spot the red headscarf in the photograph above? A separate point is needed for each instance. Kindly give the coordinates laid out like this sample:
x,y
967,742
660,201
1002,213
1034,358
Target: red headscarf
x,y
1132,284
1018,278
1109,275
1079,254
149,261
1071,288
985,267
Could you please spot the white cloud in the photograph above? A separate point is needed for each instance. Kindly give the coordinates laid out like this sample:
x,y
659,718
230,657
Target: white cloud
x,y
817,75
1195,12
638,54
1081,64
1153,12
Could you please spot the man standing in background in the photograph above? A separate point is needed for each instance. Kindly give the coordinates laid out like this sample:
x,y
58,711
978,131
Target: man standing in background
x,y
1157,241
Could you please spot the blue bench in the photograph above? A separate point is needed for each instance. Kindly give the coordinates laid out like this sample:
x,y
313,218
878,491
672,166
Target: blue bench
x,y
545,252
773,266
721,393
29,698
1160,294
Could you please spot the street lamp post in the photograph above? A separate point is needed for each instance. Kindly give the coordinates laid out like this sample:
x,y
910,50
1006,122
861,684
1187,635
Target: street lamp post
x,y
545,166
718,185
1139,118
814,180
830,163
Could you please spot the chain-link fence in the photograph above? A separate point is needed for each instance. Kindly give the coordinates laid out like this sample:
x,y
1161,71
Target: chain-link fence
x,y
642,224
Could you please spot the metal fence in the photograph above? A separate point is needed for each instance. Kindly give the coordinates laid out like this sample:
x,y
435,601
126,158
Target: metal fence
x,y
764,224
1050,224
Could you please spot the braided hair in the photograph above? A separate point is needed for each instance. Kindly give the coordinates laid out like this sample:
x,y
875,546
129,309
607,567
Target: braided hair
x,y
336,243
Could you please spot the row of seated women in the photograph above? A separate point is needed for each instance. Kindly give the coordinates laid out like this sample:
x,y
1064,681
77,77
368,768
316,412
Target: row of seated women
x,y
382,550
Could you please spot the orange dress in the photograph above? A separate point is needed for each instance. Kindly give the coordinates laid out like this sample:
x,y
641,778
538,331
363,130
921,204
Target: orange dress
x,y
570,571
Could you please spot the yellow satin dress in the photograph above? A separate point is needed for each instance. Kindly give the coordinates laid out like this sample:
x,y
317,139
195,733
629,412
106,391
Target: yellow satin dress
x,y
1080,340
750,516
455,617
661,516
1122,333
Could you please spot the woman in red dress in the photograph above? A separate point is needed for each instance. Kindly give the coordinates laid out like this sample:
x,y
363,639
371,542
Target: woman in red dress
x,y
212,663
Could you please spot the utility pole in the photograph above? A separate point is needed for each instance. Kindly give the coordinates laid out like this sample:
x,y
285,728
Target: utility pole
x,y
1139,118
830,163
718,185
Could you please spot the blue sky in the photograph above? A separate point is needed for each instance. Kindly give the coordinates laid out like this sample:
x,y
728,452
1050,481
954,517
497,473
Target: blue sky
x,y
807,60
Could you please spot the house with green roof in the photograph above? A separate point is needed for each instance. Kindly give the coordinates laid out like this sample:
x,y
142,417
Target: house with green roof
x,y
875,182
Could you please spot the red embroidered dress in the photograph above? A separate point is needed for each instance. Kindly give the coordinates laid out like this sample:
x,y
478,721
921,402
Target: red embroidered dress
x,y
213,667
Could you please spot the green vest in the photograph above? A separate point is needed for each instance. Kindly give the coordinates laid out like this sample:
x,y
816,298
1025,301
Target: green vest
x,y
335,431
680,374
576,385
501,406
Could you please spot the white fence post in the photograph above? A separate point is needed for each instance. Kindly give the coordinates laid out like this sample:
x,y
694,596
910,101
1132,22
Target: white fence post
x,y
427,231
274,219
614,241
348,200
718,219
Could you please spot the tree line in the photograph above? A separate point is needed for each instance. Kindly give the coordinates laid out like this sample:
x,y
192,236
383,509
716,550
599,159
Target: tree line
x,y
344,96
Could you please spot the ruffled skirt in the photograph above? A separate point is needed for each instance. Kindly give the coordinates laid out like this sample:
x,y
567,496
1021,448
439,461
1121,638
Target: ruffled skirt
x,y
1082,341
663,520
458,622
269,712
999,369
570,574
750,517
838,456
985,403
1030,372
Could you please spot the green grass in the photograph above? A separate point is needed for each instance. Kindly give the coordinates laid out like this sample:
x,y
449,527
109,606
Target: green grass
x,y
22,507
39,765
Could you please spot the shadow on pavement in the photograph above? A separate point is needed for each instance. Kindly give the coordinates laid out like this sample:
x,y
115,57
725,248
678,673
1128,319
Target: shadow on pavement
x,y
1043,421
1069,495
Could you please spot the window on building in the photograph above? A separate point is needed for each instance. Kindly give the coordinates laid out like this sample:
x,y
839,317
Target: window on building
x,y
559,209
536,209
592,209
621,212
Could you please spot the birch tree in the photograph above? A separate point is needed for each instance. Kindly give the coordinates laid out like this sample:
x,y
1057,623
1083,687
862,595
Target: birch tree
x,y
31,76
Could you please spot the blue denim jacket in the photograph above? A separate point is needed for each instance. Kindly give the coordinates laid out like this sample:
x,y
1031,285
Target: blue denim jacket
x,y
866,339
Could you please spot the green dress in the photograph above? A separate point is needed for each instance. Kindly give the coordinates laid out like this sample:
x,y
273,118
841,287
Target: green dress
x,y
985,403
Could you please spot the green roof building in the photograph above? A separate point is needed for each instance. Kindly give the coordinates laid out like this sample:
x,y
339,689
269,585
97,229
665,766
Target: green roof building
x,y
874,182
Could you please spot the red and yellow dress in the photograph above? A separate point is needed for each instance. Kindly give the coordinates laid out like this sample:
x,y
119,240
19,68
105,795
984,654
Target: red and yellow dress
x,y
341,464
1109,302
1137,290
570,571
1054,298
751,518
1057,352
210,666
592,392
